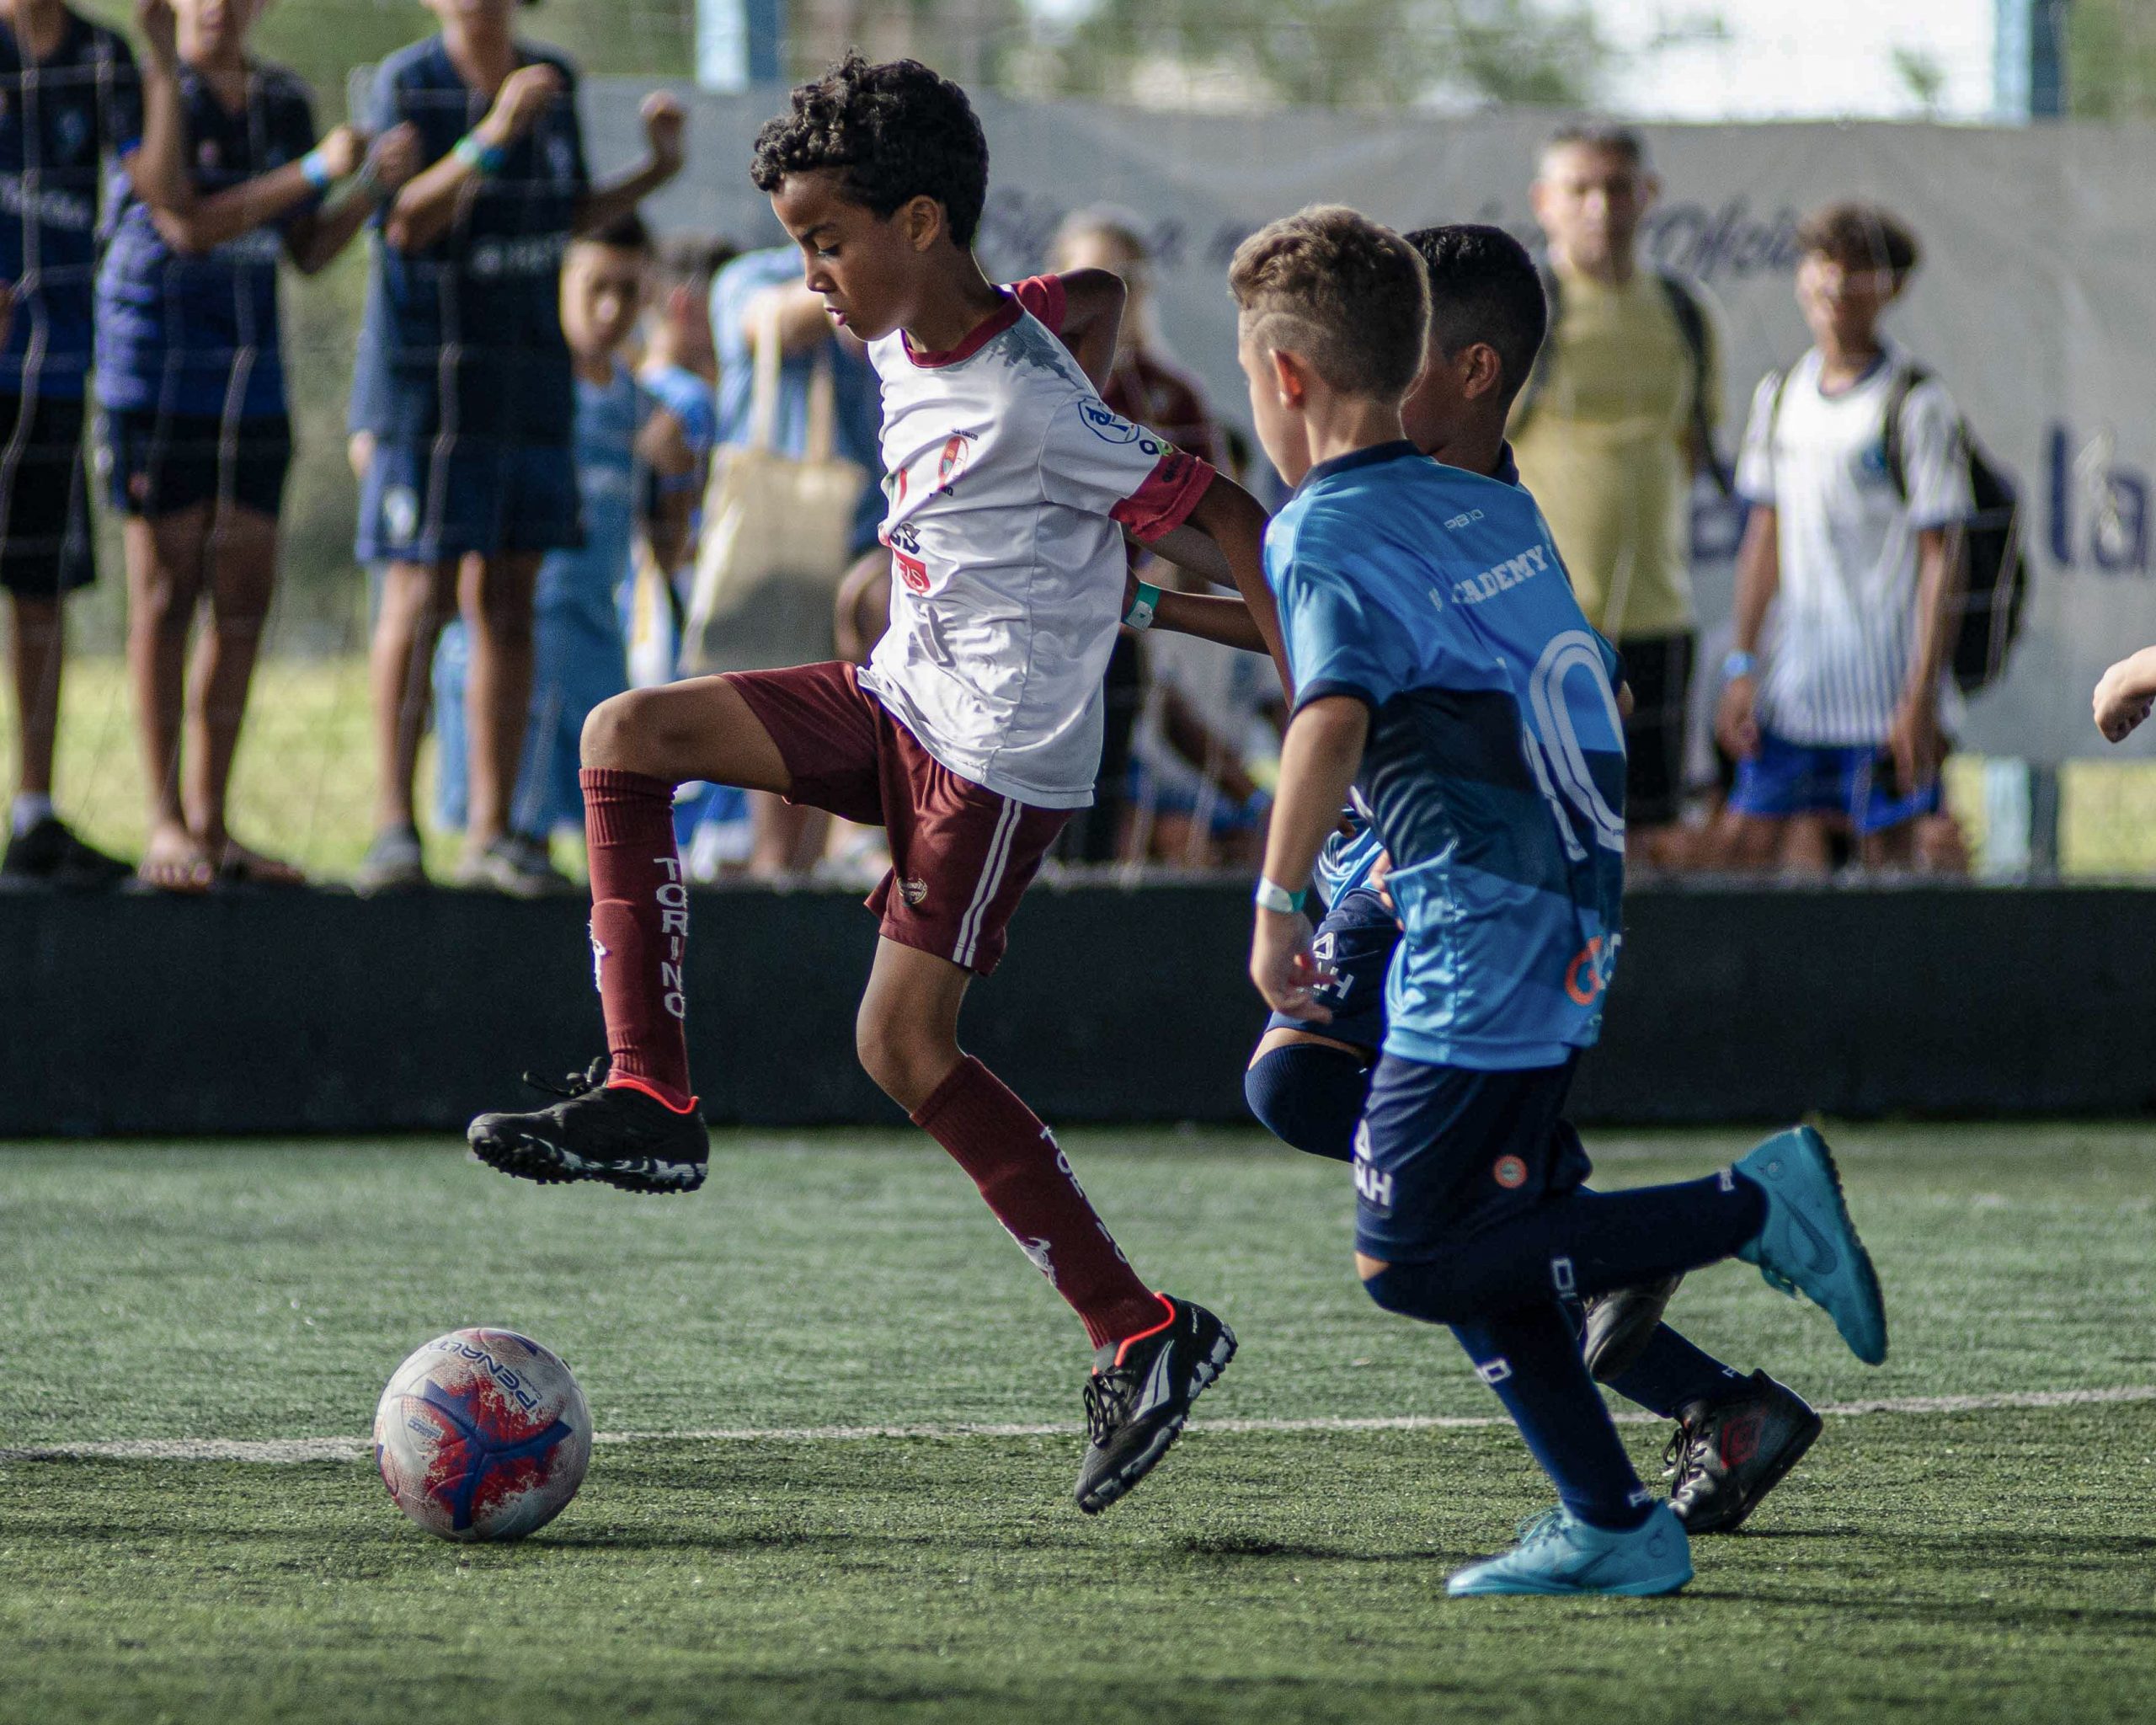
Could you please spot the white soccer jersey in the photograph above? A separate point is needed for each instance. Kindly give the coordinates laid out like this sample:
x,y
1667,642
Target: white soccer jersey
x,y
1010,483
1846,615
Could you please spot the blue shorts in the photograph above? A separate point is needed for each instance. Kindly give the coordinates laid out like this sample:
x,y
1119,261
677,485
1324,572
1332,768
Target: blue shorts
x,y
1355,942
574,668
435,501
1446,1152
1786,778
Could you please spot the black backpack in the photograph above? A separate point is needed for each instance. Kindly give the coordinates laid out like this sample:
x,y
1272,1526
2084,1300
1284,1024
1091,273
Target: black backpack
x,y
1995,568
1691,324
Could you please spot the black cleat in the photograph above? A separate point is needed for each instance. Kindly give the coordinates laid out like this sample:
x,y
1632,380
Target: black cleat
x,y
1727,1456
1618,1324
1139,1396
51,855
618,1135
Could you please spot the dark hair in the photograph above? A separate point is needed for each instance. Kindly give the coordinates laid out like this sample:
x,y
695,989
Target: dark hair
x,y
691,259
893,131
1485,287
1860,236
1349,295
626,232
1599,135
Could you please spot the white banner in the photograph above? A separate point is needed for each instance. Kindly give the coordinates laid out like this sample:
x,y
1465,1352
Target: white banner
x,y
2036,302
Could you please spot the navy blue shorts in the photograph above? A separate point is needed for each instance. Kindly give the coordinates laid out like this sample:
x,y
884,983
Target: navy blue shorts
x,y
1444,1152
1355,940
1786,778
434,501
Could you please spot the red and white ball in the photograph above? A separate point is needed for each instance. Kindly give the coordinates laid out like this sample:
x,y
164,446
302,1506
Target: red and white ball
x,y
481,1434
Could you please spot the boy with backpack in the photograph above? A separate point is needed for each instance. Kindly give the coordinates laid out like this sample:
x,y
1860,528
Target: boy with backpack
x,y
1858,469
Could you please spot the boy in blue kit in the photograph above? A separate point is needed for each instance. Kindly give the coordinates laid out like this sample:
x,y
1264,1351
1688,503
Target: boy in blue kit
x,y
1737,1436
466,381
623,440
70,100
1444,671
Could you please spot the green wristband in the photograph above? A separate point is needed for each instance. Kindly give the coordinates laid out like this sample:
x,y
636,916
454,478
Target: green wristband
x,y
1140,614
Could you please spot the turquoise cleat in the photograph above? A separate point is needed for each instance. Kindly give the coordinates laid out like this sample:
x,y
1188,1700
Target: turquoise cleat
x,y
1808,1245
1558,1553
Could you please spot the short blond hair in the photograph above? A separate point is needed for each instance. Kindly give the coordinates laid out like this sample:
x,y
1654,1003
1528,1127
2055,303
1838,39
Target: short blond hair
x,y
1347,293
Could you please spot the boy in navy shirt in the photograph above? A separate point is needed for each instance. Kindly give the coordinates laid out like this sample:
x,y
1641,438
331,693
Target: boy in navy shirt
x,y
1444,673
70,99
190,375
469,398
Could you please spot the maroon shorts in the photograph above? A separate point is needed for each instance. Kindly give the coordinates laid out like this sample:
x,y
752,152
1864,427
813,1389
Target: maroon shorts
x,y
961,855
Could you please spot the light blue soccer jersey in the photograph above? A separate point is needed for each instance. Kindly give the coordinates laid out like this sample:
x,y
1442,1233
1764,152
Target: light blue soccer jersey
x,y
1495,769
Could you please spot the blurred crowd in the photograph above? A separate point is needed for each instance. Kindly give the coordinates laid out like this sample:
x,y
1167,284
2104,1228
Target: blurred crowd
x,y
591,457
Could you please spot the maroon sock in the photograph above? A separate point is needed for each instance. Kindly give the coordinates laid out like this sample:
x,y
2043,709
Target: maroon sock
x,y
1028,1183
639,929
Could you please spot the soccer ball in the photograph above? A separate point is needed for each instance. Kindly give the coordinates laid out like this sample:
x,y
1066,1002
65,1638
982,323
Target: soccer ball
x,y
481,1434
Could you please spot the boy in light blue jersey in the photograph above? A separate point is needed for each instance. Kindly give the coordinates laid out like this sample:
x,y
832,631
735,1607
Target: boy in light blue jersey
x,y
1737,1436
1444,672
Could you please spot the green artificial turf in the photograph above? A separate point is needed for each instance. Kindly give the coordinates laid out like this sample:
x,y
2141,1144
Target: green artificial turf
x,y
1999,1563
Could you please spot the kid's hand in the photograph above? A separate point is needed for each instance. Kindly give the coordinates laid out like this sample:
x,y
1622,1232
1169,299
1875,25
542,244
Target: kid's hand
x,y
1283,967
665,130
1736,719
341,149
393,157
2119,706
1914,742
160,27
526,94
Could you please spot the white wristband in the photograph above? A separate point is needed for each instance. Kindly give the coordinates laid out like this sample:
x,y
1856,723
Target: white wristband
x,y
1273,896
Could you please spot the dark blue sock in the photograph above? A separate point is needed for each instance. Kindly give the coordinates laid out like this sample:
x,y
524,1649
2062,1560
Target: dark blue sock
x,y
1671,1374
1309,1096
1531,1359
1579,1243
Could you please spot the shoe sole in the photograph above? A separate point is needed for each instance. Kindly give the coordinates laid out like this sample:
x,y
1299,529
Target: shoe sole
x,y
1867,1277
549,1165
1777,1470
1653,1588
1113,1487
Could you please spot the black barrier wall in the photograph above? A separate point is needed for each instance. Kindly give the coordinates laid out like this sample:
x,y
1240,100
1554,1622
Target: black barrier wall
x,y
314,1012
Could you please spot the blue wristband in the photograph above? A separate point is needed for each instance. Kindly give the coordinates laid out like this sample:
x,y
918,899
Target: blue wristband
x,y
1739,665
484,159
314,169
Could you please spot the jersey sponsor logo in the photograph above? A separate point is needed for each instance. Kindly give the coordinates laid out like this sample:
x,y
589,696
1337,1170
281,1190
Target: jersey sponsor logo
x,y
1510,1172
1586,976
1466,520
1108,424
912,570
1500,578
958,450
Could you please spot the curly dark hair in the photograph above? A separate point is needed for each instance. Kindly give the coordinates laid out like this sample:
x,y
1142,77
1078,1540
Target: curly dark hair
x,y
1483,287
894,131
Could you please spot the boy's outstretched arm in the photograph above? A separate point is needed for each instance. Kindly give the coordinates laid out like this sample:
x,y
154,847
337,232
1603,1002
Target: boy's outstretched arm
x,y
1223,539
1318,761
2125,694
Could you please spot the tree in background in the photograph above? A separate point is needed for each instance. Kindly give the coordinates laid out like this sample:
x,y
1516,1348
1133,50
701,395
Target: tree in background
x,y
2110,60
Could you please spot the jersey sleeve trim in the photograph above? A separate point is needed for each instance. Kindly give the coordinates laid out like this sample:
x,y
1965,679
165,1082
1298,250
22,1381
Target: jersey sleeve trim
x,y
1045,298
1164,502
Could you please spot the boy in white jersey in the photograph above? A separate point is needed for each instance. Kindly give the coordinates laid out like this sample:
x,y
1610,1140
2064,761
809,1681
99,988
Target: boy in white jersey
x,y
971,734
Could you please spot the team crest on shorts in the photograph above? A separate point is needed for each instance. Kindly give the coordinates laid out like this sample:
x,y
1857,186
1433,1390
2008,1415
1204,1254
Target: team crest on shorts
x,y
913,891
400,513
1509,1172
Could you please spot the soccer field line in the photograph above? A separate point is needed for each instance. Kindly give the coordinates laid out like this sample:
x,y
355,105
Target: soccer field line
x,y
295,1449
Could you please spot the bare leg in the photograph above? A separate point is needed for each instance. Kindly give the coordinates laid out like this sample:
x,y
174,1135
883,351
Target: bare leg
x,y
701,728
165,558
417,599
495,595
1807,850
36,646
242,559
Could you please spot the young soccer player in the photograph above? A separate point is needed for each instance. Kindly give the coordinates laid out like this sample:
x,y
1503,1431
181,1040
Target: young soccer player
x,y
972,733
70,98
1737,1436
1443,669
191,374
580,654
466,379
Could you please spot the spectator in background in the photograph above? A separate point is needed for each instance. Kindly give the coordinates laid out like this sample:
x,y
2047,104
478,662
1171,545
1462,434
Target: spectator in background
x,y
623,439
463,369
747,296
190,375
1147,386
1617,417
1854,468
69,99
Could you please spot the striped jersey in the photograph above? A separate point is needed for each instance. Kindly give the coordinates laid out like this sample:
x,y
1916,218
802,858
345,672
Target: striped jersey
x,y
1845,619
1494,773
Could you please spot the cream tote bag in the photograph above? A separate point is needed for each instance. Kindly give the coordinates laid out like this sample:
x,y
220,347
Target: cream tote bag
x,y
776,532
